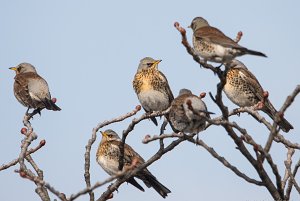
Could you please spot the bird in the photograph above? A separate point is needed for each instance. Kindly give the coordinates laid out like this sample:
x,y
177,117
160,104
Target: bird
x,y
244,90
187,111
107,157
31,90
152,87
213,45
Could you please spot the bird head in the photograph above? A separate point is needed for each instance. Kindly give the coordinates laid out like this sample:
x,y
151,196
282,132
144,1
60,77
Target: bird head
x,y
110,135
148,62
184,91
237,64
23,68
198,22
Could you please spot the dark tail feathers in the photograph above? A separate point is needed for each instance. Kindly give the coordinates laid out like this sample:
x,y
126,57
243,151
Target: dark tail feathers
x,y
133,182
253,52
283,123
50,105
151,181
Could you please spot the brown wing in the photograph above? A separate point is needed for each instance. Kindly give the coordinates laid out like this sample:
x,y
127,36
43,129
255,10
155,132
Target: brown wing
x,y
21,91
166,87
137,83
253,83
214,35
129,154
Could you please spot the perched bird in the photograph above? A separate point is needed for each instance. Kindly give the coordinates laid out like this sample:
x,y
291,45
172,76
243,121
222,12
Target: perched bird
x,y
213,45
151,87
108,158
244,90
186,113
31,90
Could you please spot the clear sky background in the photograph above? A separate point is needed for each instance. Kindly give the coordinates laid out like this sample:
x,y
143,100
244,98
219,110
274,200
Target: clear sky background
x,y
88,51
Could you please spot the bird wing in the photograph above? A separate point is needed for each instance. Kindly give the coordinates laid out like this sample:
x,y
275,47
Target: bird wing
x,y
166,87
253,83
214,35
38,87
129,154
22,92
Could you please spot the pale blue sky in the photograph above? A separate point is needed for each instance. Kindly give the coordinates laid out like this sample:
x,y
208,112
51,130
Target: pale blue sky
x,y
88,51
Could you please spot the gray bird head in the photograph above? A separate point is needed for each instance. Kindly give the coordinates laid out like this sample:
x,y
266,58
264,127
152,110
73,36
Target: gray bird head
x,y
184,91
198,22
148,62
110,135
24,68
237,64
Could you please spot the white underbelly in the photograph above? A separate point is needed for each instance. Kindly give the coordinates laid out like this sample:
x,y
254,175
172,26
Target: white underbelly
x,y
153,100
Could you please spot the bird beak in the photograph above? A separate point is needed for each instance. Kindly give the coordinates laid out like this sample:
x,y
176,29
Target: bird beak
x,y
155,64
13,68
103,134
189,26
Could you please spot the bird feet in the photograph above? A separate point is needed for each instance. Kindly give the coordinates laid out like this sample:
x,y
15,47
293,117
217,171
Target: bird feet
x,y
35,111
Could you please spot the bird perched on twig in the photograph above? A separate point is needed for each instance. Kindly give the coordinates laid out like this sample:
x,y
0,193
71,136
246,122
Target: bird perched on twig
x,y
244,90
31,90
213,45
108,158
152,87
186,113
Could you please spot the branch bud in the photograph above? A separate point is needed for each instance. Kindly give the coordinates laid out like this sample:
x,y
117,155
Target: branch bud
x,y
138,107
24,131
202,95
42,142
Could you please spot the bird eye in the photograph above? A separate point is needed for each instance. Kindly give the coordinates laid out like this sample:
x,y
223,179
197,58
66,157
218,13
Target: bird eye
x,y
149,64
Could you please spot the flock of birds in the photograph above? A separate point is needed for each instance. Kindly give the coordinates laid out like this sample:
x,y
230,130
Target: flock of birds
x,y
188,113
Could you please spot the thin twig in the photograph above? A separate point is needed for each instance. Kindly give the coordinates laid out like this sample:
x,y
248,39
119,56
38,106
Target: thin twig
x,y
88,147
30,151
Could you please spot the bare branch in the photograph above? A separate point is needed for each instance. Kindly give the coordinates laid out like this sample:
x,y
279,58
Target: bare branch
x,y
288,163
36,179
131,127
157,156
225,162
40,190
30,151
292,182
91,141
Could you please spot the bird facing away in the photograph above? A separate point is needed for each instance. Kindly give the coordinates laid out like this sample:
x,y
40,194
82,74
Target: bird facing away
x,y
151,87
186,113
108,158
31,90
213,45
244,90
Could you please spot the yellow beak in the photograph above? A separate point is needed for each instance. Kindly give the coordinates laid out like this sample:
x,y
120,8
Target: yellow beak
x,y
157,62
103,134
13,68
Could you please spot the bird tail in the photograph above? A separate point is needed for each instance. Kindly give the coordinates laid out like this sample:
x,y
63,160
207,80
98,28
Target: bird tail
x,y
283,123
151,181
253,52
50,105
133,182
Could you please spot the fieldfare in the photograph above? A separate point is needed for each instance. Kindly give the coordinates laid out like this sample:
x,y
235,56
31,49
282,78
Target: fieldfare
x,y
31,90
108,158
213,45
151,87
187,111
244,90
